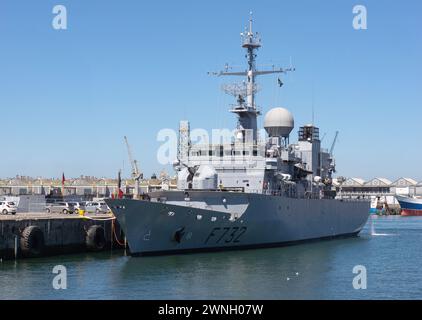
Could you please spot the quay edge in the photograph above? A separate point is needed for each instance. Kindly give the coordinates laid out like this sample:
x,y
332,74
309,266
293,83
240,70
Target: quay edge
x,y
37,235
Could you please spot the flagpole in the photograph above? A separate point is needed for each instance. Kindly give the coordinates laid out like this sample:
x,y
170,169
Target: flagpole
x,y
63,180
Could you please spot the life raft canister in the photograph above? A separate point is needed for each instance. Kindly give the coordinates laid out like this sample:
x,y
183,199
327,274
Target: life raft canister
x,y
95,238
32,241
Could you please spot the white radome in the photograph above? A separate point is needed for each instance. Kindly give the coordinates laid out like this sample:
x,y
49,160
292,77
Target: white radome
x,y
279,122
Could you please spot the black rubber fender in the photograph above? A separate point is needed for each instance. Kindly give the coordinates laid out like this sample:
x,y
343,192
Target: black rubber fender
x,y
95,238
32,241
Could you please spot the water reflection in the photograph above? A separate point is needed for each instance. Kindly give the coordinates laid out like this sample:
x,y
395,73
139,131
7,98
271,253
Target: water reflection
x,y
295,272
321,270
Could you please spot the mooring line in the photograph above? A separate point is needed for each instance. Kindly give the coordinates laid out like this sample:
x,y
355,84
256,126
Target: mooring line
x,y
99,219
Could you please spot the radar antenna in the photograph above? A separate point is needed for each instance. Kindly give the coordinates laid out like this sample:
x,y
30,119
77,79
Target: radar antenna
x,y
239,90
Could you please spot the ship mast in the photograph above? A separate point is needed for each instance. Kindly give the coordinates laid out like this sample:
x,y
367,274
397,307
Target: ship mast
x,y
246,108
251,42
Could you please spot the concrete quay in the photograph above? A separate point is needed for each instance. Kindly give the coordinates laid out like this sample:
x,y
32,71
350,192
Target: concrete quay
x,y
28,235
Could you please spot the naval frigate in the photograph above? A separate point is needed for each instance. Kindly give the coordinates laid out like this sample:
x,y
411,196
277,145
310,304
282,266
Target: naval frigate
x,y
245,193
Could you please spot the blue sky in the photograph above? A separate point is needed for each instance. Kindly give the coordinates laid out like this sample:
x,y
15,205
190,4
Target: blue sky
x,y
131,68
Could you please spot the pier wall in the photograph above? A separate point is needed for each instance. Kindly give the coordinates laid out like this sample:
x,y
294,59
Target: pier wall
x,y
60,235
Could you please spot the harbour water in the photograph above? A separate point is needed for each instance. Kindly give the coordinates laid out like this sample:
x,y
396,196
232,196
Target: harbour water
x,y
390,250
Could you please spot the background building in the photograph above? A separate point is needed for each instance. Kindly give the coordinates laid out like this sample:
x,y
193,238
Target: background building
x,y
86,187
382,188
82,187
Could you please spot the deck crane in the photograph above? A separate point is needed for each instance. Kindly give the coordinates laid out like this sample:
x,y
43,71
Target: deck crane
x,y
136,174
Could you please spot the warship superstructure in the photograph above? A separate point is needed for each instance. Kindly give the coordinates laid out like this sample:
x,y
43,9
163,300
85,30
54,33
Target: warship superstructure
x,y
249,192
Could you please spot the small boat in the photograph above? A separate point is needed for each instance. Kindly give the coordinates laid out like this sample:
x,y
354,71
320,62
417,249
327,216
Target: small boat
x,y
410,206
376,209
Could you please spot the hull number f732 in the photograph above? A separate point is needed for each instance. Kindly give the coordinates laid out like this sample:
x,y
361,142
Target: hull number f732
x,y
226,235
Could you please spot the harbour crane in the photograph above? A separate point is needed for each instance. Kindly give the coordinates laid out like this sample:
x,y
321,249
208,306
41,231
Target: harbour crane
x,y
334,144
136,174
331,158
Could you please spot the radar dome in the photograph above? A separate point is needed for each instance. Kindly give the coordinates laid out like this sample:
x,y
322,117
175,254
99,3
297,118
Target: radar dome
x,y
279,122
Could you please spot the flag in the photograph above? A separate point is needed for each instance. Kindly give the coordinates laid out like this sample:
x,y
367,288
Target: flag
x,y
119,180
119,185
280,83
63,180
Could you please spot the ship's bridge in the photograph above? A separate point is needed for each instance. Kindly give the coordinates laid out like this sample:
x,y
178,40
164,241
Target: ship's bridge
x,y
227,150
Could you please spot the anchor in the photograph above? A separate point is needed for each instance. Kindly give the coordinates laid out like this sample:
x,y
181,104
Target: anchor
x,y
178,235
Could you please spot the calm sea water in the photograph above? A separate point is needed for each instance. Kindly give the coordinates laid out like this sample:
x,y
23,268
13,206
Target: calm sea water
x,y
392,256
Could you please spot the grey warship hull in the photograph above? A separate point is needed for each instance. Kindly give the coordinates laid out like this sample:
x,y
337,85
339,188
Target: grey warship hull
x,y
213,221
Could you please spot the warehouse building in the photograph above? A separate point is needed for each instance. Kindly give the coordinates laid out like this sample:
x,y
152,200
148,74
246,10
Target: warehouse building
x,y
382,188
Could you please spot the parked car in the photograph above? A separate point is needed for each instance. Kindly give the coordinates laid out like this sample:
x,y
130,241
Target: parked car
x,y
97,207
78,206
60,207
7,207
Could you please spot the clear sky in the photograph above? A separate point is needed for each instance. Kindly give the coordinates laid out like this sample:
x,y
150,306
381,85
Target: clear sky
x,y
68,97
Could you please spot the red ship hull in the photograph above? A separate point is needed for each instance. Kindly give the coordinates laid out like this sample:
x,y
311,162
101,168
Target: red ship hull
x,y
411,213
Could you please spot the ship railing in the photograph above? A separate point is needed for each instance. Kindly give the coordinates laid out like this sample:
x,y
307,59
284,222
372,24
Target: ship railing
x,y
211,149
353,199
357,194
291,193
